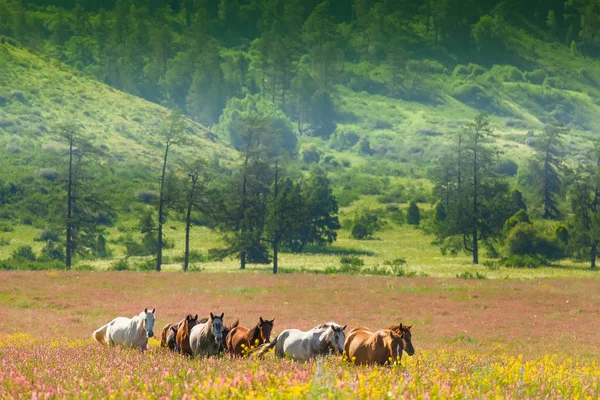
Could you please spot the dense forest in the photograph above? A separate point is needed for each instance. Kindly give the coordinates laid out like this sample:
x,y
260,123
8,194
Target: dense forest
x,y
303,91
195,55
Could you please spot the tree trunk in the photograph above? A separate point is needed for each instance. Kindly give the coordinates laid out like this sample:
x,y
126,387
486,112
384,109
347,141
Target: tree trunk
x,y
244,204
475,208
275,254
546,194
188,224
69,244
276,234
593,256
161,204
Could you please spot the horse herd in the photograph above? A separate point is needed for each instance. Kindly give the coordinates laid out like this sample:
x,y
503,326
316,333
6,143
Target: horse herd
x,y
208,336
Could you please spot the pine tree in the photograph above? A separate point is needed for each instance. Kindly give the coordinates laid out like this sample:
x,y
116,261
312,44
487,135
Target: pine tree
x,y
549,158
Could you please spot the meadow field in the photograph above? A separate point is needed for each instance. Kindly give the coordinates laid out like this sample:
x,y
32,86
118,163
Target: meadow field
x,y
473,338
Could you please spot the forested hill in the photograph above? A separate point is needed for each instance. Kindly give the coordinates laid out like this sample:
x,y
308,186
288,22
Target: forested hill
x,y
529,61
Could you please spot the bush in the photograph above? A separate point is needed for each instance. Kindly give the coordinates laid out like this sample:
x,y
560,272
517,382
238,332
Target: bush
x,y
468,275
537,76
524,239
364,147
310,154
18,96
54,251
525,261
4,242
194,257
365,225
47,236
348,265
120,265
413,215
425,66
508,168
344,140
48,174
24,252
146,196
146,266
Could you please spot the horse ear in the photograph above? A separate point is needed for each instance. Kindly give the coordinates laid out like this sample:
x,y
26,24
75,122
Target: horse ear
x,y
408,327
153,310
344,327
196,317
146,310
273,320
222,315
212,316
261,320
400,325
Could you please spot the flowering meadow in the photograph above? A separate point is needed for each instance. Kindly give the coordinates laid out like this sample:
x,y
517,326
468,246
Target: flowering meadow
x,y
473,339
81,369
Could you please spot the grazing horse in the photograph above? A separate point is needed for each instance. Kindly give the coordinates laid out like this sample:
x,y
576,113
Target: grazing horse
x,y
303,346
207,338
129,332
184,330
363,346
240,339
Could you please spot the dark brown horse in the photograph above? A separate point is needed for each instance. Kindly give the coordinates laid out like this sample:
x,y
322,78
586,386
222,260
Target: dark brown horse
x,y
168,337
183,334
240,340
363,346
226,330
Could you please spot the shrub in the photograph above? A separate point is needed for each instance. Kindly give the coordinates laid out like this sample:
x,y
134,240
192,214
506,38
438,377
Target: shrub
x,y
47,235
365,225
426,66
120,265
146,196
507,167
413,215
525,261
364,147
537,76
468,275
24,252
18,96
310,154
148,265
48,174
194,257
460,70
12,148
4,242
344,140
348,265
54,251
524,239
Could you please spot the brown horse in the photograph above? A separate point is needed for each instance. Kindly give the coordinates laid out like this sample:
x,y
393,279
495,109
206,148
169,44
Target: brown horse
x,y
226,330
168,337
183,334
364,346
240,339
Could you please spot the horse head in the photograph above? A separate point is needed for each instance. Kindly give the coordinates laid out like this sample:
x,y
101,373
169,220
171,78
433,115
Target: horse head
x,y
265,327
334,336
191,321
216,322
149,322
406,338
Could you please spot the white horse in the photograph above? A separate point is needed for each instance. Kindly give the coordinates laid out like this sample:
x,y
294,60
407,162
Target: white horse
x,y
303,346
207,338
128,332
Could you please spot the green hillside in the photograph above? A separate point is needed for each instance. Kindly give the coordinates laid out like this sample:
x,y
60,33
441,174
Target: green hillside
x,y
374,92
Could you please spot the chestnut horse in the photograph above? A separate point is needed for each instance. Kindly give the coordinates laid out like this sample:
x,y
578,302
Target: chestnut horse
x,y
183,334
241,339
364,346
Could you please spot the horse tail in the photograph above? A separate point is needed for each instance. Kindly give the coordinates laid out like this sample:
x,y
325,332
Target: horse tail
x,y
264,348
100,335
